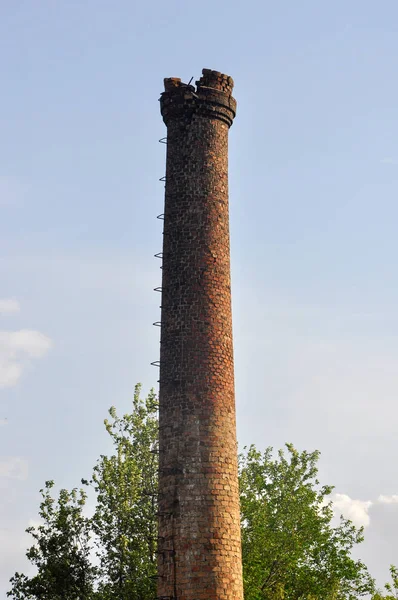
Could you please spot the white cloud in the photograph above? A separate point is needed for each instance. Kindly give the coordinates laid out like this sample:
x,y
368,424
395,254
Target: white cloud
x,y
3,422
16,350
388,499
31,342
389,160
355,510
13,467
8,306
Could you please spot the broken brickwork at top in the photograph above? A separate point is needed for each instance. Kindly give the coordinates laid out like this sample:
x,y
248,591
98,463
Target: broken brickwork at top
x,y
199,519
216,80
211,97
210,79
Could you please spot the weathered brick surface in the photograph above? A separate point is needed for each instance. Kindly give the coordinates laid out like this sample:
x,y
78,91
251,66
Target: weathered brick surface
x,y
199,526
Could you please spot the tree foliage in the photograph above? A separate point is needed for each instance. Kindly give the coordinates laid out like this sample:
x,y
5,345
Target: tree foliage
x,y
60,552
292,550
391,587
124,521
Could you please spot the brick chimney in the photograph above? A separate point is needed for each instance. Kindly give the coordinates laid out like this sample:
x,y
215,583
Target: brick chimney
x,y
199,521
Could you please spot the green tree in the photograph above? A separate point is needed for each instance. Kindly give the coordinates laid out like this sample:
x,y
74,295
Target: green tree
x,y
125,522
391,587
290,548
60,552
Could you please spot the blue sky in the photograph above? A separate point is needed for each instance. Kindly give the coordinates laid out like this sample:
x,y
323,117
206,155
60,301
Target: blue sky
x,y
314,181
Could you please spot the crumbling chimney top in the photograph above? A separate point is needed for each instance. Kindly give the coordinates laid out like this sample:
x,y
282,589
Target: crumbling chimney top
x,y
216,81
210,79
170,83
212,97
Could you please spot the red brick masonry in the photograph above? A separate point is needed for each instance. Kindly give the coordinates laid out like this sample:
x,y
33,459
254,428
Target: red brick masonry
x,y
199,525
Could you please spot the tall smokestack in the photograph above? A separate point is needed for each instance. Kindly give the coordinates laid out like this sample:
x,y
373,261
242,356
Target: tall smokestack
x,y
199,520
